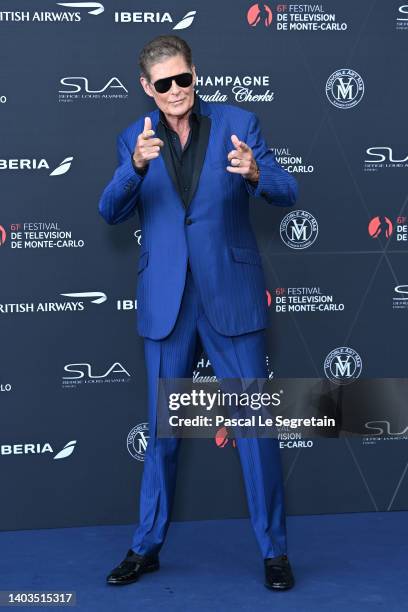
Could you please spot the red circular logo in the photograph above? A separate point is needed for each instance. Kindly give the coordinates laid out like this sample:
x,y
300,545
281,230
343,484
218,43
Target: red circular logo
x,y
259,13
380,225
2,235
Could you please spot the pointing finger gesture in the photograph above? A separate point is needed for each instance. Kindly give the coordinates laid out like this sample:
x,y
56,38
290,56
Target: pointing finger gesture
x,y
242,160
147,147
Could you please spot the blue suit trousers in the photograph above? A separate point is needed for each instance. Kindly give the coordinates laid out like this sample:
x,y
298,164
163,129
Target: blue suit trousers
x,y
242,356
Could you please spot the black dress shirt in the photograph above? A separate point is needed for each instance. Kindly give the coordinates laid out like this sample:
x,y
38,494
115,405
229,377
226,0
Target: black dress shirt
x,y
182,158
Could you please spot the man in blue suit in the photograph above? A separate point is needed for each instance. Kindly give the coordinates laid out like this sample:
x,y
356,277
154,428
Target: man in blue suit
x,y
188,168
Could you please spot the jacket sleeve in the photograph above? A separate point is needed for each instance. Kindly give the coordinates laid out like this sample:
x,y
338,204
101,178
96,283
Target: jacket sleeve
x,y
276,185
119,199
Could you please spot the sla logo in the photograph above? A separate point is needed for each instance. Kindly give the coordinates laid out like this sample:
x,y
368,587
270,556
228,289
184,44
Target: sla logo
x,y
35,164
85,369
74,88
3,235
383,157
344,88
400,302
299,229
342,365
83,373
377,426
380,225
404,11
259,13
37,448
402,20
137,441
97,7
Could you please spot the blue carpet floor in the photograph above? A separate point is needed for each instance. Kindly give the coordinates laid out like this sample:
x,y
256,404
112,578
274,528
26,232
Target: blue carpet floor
x,y
347,562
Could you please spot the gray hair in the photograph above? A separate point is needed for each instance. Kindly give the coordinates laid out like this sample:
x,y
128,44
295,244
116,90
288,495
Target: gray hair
x,y
161,48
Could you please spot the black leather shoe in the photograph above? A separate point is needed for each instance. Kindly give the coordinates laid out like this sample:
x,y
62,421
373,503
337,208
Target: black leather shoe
x,y
278,573
132,567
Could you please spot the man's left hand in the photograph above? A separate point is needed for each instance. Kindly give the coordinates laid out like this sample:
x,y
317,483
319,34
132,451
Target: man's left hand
x,y
242,160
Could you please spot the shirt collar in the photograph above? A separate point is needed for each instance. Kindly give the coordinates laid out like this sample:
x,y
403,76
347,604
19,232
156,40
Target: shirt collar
x,y
195,112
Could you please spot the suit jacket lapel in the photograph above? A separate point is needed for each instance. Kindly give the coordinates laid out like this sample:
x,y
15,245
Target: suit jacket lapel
x,y
203,136
166,154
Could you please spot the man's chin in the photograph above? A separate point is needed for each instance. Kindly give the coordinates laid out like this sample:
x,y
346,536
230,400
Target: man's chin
x,y
178,109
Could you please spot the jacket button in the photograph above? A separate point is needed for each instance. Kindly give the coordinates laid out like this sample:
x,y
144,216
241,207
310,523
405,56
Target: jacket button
x,y
188,221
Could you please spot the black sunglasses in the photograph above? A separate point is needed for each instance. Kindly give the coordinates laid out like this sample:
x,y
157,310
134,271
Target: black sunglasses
x,y
183,80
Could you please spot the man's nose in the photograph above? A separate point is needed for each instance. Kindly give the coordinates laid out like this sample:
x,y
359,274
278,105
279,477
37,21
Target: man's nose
x,y
174,89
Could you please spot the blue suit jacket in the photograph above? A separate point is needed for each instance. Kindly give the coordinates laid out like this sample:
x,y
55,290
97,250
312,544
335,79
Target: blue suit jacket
x,y
219,241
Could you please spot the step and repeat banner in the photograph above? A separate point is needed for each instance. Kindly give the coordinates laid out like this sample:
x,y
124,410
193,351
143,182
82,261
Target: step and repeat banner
x,y
327,82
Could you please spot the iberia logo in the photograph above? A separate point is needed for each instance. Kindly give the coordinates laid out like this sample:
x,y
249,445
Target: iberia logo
x,y
2,235
380,225
259,13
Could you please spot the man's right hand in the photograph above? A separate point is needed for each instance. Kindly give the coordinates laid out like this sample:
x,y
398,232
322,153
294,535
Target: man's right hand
x,y
147,147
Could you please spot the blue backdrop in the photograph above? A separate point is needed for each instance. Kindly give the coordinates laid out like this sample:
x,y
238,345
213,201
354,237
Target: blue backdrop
x,y
326,81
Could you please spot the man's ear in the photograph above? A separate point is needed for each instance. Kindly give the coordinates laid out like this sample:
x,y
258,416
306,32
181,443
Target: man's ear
x,y
146,86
